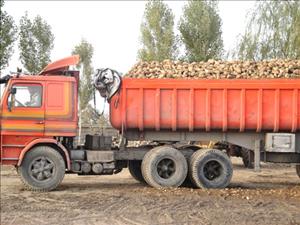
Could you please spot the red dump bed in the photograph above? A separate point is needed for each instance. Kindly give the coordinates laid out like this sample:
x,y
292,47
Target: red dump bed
x,y
169,104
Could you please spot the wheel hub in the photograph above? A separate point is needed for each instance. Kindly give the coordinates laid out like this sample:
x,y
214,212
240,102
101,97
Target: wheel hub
x,y
166,168
212,170
41,169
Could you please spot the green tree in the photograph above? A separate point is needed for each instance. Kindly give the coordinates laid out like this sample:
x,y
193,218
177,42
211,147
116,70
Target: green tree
x,y
157,36
273,31
88,115
85,51
8,32
35,43
200,29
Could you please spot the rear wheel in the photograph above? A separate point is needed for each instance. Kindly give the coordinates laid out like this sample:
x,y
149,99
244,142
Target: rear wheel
x,y
164,166
134,167
42,169
210,168
298,170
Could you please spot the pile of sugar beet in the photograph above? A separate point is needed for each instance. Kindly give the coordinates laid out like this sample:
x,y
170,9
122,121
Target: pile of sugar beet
x,y
214,69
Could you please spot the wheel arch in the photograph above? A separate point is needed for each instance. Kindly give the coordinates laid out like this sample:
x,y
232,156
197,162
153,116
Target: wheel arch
x,y
47,142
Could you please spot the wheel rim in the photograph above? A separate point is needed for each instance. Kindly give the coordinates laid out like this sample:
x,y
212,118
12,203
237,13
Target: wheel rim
x,y
166,168
212,170
41,169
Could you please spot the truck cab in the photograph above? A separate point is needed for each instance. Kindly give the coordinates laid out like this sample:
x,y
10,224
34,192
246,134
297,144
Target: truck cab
x,y
39,110
35,107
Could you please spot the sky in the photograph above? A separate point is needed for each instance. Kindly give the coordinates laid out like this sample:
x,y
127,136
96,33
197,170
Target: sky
x,y
112,27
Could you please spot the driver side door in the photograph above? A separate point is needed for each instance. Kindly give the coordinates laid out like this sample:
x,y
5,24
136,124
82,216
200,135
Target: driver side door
x,y
22,118
23,111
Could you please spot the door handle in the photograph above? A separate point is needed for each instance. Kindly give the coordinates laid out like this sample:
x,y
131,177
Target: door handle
x,y
40,122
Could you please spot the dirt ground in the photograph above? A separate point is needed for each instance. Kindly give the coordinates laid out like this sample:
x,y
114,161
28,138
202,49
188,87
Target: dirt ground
x,y
269,197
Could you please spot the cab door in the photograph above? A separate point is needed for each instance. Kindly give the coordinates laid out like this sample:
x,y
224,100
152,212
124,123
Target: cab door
x,y
23,110
23,118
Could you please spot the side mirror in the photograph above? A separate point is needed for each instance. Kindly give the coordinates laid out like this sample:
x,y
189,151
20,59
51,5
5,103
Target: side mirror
x,y
11,99
9,104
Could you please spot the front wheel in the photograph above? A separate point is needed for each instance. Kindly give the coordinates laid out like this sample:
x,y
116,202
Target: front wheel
x,y
42,169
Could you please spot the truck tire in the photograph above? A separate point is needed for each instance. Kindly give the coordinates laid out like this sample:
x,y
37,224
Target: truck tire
x,y
210,168
42,169
164,166
134,167
248,158
298,170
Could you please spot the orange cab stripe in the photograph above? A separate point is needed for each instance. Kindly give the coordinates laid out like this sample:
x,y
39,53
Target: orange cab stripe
x,y
22,126
35,114
71,134
61,126
19,122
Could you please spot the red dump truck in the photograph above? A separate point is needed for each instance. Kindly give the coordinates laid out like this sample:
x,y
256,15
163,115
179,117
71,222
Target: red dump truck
x,y
39,123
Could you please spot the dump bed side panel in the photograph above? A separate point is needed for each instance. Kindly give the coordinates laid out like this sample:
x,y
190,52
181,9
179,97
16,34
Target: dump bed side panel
x,y
235,105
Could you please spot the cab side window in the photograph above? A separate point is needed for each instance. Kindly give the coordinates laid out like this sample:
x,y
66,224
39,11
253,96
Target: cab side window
x,y
26,96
